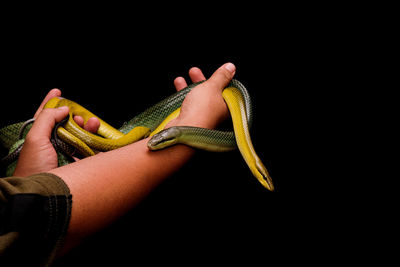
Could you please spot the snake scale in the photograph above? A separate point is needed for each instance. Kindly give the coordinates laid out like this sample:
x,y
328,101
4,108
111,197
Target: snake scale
x,y
151,122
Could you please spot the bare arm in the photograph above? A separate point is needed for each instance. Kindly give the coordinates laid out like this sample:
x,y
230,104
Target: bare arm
x,y
107,185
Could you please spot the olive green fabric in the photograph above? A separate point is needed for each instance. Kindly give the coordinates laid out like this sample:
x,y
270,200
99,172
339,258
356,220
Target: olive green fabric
x,y
34,216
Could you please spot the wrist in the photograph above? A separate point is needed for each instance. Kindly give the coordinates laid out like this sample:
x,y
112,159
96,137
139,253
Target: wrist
x,y
202,122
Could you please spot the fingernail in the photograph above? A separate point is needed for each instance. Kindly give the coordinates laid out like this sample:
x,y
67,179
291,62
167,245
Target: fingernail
x,y
230,67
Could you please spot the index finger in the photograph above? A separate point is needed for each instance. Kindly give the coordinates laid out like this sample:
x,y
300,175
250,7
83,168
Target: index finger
x,y
52,93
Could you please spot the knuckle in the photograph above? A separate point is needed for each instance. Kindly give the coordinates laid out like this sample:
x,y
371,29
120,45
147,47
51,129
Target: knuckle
x,y
46,112
221,78
226,74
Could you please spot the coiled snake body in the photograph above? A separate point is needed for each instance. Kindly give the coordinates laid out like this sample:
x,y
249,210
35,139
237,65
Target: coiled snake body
x,y
151,122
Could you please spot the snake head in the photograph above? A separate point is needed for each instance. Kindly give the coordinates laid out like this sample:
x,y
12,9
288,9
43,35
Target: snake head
x,y
165,138
261,173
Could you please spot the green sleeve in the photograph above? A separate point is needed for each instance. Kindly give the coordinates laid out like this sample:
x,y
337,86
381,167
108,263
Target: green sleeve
x,y
34,216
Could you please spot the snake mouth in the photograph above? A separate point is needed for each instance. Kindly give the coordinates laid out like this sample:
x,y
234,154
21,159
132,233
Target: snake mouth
x,y
158,142
266,179
154,142
164,139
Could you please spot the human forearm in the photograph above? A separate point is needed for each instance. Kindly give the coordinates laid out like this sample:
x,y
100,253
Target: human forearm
x,y
106,186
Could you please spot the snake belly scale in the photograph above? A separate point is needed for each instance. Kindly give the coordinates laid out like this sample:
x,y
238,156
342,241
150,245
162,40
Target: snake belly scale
x,y
151,122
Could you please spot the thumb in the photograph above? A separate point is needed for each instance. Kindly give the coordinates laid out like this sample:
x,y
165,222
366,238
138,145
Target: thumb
x,y
46,121
223,75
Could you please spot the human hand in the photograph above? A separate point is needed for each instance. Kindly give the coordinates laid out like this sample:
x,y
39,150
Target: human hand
x,y
38,154
204,105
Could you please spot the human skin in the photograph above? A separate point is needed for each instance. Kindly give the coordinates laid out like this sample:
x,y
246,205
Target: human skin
x,y
123,177
38,154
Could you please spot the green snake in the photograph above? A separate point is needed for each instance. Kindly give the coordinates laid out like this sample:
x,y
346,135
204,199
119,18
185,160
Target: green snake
x,y
151,122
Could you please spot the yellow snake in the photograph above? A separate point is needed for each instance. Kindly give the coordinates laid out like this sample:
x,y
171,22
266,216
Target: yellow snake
x,y
152,121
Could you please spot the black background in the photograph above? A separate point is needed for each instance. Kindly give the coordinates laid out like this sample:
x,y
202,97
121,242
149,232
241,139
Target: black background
x,y
212,210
